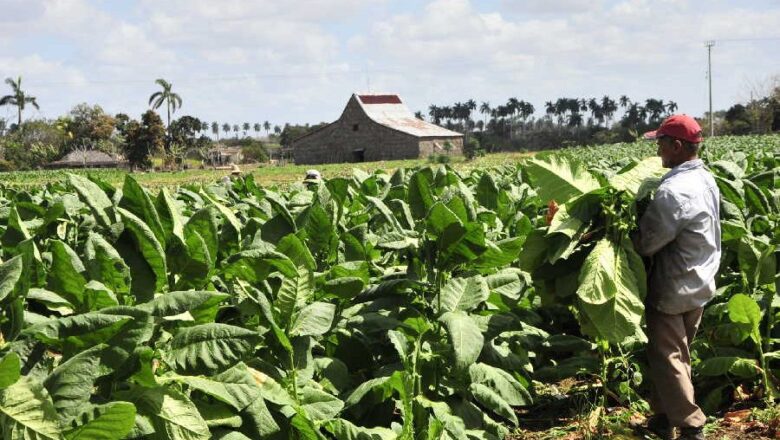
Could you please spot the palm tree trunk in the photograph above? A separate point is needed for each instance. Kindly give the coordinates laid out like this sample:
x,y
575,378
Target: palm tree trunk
x,y
19,113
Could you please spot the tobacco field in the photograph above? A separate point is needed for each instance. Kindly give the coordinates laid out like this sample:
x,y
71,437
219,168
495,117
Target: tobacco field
x,y
422,303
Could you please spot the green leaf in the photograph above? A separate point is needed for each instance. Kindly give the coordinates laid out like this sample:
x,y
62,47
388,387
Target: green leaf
x,y
149,246
170,217
16,232
465,337
293,294
463,294
632,179
560,178
71,383
10,272
722,365
173,414
346,430
94,197
10,367
609,293
299,254
314,319
744,310
79,332
501,382
202,306
319,405
205,223
27,413
493,401
104,264
234,386
66,275
420,194
230,220
135,199
254,265
400,344
112,421
209,347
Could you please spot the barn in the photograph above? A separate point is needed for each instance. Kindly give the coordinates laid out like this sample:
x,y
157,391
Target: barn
x,y
375,127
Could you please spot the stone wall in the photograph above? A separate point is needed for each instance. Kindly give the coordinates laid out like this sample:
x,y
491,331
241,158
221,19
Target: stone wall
x,y
342,141
427,146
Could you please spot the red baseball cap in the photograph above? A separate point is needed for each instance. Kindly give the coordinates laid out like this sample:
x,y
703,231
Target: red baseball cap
x,y
678,126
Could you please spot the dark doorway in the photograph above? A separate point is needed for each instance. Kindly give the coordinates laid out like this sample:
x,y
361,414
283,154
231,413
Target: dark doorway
x,y
359,155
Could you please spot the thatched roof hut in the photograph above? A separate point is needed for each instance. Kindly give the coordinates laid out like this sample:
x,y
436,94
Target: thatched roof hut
x,y
87,159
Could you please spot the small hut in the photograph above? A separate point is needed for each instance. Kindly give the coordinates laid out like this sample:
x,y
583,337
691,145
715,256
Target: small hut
x,y
87,159
222,155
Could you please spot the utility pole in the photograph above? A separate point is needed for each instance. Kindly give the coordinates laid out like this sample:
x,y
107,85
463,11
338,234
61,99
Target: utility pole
x,y
709,45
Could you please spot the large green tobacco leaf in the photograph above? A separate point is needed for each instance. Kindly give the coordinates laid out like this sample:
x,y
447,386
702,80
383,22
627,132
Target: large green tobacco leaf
x,y
104,264
420,194
488,398
319,405
346,430
172,414
745,311
464,294
10,272
136,200
254,265
170,216
465,337
15,232
209,347
71,383
66,275
293,294
149,246
313,320
610,293
722,365
94,197
111,421
205,223
76,333
27,413
200,305
503,383
632,179
235,386
10,366
560,179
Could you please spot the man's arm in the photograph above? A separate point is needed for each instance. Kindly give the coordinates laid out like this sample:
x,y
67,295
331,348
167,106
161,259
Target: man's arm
x,y
659,225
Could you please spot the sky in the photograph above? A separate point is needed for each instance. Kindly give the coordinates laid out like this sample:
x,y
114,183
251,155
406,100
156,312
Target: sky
x,y
299,61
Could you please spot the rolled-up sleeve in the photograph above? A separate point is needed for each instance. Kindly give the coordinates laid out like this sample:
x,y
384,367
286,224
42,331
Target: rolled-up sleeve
x,y
660,224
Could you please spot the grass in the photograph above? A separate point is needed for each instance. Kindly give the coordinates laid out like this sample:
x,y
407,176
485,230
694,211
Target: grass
x,y
265,175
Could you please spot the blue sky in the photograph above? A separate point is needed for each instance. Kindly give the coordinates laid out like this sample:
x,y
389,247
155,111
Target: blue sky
x,y
298,61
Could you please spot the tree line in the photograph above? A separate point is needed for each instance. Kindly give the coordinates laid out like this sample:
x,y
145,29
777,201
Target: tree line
x,y
33,143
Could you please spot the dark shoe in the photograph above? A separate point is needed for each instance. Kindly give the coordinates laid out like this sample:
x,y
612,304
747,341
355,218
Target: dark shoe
x,y
691,434
658,424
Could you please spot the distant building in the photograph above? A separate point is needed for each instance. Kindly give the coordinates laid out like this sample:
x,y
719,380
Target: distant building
x,y
87,159
222,155
375,127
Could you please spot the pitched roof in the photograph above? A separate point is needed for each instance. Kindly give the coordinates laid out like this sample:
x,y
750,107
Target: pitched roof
x,y
89,156
390,111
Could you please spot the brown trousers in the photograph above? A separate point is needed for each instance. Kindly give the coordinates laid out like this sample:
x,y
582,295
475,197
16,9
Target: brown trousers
x,y
669,358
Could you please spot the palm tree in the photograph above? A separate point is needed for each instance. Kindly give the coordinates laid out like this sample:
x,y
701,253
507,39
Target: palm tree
x,y
204,127
267,127
172,100
257,127
245,126
235,130
484,108
226,128
671,107
18,98
215,129
608,107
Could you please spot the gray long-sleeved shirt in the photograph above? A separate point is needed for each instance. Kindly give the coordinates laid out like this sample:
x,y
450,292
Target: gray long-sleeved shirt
x,y
681,231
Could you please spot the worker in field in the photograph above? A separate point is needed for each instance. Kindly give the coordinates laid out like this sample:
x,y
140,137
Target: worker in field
x,y
680,231
313,177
